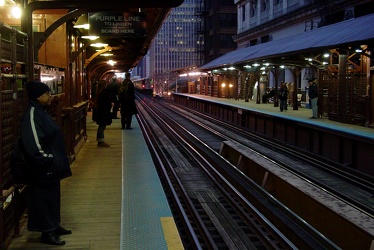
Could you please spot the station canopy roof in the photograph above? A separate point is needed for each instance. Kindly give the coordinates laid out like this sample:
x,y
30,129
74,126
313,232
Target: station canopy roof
x,y
352,32
126,50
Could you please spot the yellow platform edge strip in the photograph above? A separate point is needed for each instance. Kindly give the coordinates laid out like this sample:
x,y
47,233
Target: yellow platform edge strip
x,y
173,240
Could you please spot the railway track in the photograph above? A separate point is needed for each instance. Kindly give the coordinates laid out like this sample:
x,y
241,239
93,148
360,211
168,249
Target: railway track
x,y
353,187
219,207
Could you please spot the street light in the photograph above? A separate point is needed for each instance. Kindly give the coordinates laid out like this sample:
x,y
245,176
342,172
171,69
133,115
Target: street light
x,y
223,87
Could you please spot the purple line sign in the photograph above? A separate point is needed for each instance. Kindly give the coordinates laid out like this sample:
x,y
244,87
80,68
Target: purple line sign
x,y
110,23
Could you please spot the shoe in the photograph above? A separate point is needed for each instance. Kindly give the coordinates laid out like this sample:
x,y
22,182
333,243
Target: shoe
x,y
52,239
128,127
123,128
313,117
62,231
103,144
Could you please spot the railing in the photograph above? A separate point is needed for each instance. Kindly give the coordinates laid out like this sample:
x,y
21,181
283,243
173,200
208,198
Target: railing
x,y
13,56
74,126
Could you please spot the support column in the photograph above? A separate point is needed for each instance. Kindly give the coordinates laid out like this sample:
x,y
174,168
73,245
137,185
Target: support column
x,y
295,73
276,72
342,76
247,81
257,75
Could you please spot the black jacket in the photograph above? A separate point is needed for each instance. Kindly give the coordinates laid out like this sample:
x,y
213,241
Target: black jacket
x,y
44,146
283,93
103,106
127,98
313,91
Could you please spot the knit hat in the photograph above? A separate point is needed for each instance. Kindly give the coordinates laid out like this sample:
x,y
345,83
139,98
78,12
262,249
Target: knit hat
x,y
35,89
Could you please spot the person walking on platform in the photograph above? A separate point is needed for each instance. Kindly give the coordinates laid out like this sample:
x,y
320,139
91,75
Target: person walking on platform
x,y
313,97
283,96
114,89
44,150
127,100
103,105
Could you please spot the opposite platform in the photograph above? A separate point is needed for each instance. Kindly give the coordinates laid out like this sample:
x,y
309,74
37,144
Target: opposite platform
x,y
300,115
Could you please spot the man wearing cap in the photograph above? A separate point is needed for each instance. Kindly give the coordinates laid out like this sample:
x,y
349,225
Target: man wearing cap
x,y
313,96
48,163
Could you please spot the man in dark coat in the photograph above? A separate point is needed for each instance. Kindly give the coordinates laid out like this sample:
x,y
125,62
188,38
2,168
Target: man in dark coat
x,y
313,97
44,147
103,105
283,97
127,100
114,89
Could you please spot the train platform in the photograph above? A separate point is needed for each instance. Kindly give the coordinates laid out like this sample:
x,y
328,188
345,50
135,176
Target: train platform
x,y
114,200
301,115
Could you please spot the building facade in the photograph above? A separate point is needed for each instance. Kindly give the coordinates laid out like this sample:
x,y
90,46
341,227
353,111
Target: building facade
x,y
196,32
219,28
260,21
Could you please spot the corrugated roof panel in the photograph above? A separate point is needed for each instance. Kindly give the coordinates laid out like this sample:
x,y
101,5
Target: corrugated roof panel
x,y
345,32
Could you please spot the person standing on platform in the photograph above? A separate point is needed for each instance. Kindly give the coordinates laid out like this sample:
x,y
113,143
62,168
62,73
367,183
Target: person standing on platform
x,y
283,96
45,152
313,97
127,100
114,89
103,105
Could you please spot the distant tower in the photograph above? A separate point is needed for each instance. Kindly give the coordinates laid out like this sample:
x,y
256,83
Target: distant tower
x,y
194,33
175,45
220,25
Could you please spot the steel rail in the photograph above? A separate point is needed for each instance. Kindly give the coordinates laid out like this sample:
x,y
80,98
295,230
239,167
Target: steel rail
x,y
355,178
217,174
168,173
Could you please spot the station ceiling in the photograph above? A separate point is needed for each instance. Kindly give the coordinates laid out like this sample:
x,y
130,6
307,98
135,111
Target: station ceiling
x,y
127,51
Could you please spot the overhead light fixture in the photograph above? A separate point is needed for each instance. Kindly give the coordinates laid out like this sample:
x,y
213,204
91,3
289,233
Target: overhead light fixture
x,y
106,54
82,22
111,62
16,12
326,54
85,34
92,38
98,45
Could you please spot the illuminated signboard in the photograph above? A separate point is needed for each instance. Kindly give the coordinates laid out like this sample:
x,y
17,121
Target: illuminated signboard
x,y
117,23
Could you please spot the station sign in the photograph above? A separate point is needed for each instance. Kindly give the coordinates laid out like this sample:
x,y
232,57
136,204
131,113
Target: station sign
x,y
111,23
